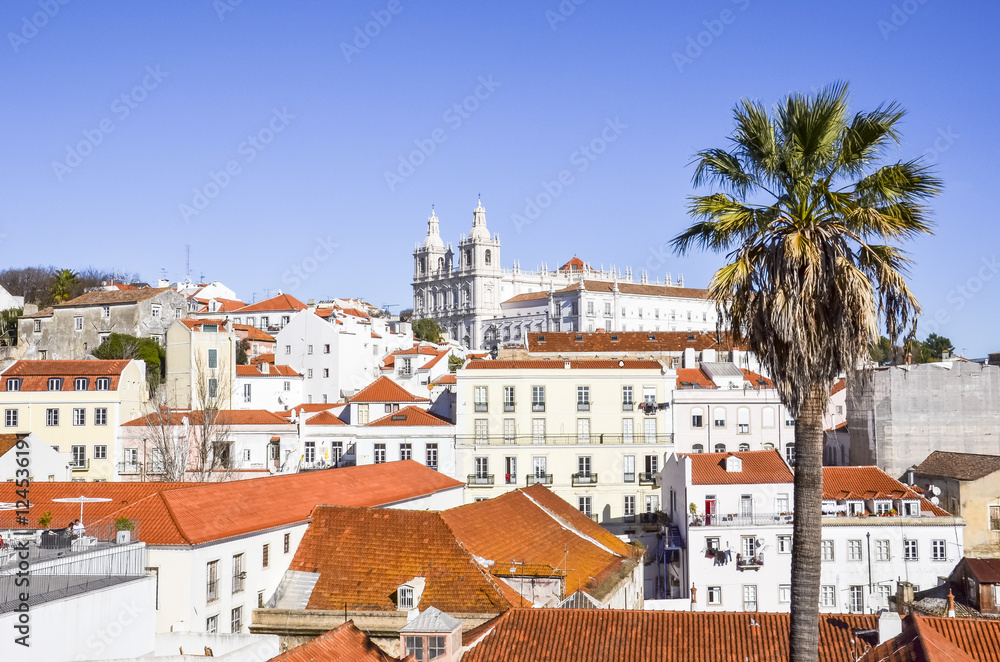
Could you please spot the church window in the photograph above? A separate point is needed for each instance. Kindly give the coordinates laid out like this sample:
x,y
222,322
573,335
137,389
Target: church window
x,y
489,258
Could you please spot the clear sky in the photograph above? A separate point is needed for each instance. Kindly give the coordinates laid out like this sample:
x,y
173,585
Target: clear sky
x,y
119,121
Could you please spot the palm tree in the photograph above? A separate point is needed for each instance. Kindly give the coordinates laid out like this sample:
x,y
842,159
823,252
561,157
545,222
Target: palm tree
x,y
800,196
62,286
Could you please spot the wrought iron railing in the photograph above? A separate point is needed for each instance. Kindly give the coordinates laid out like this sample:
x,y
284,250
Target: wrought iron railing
x,y
480,480
594,438
744,519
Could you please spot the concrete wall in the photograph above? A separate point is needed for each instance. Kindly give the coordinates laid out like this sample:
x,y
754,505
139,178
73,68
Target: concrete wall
x,y
898,415
970,500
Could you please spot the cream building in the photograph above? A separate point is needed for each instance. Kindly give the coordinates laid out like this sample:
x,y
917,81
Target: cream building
x,y
76,407
595,432
201,364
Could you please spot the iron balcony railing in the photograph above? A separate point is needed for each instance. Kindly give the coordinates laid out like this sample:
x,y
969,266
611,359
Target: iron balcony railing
x,y
580,479
647,478
563,439
736,519
544,479
80,465
480,480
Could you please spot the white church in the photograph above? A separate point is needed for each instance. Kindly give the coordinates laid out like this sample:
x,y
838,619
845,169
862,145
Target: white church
x,y
482,305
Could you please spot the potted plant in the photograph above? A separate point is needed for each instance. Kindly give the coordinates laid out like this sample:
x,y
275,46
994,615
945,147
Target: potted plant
x,y
124,524
45,519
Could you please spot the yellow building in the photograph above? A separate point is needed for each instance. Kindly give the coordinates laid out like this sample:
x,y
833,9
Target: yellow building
x,y
201,364
75,406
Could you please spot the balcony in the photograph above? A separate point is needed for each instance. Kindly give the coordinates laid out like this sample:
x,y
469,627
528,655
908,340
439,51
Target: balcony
x,y
544,479
583,479
480,480
508,406
748,563
482,407
80,465
628,478
537,406
529,439
734,519
628,406
129,468
583,406
647,478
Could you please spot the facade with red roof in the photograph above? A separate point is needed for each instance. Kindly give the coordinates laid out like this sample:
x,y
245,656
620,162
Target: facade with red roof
x,y
201,363
269,315
267,386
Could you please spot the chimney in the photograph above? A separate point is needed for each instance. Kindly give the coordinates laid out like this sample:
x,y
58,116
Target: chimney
x,y
951,604
889,625
694,598
904,597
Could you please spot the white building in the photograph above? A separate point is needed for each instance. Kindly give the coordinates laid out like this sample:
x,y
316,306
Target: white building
x,y
471,296
732,511
8,300
267,386
595,432
45,462
415,368
410,433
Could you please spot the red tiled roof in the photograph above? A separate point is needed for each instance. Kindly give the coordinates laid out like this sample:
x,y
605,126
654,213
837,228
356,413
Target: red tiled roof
x,y
8,441
987,571
576,264
527,296
756,380
551,529
384,389
838,387
193,323
637,288
613,635
44,312
35,375
558,364
263,358
345,642
408,416
324,418
225,417
931,639
193,513
229,305
109,297
363,555
632,342
839,426
253,333
447,379
282,302
862,483
960,466
759,467
688,376
272,371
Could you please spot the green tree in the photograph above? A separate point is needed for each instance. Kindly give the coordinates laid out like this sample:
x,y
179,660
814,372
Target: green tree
x,y
123,346
935,346
243,352
63,285
882,351
428,330
455,362
8,326
809,218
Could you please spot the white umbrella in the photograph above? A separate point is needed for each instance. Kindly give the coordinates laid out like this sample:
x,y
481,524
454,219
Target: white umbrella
x,y
82,500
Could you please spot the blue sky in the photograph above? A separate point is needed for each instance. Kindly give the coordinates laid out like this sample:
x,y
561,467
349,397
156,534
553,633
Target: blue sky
x,y
261,133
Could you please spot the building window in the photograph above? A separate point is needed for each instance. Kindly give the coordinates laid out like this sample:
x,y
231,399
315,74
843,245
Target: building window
x,y
883,507
827,596
38,326
10,418
826,550
994,518
584,503
288,386
239,577
629,510
213,387
537,398
288,542
742,421
79,416
938,550
510,470
288,349
911,508
628,466
649,430
719,417
260,599
910,550
435,645
265,556
749,592
697,417
508,398
628,402
309,454
79,456
155,310
212,624
103,384
309,373
583,398
326,372
481,430
432,456
715,595
883,552
309,349
481,398
326,349
236,620
55,383
81,384
52,417
105,312
13,384
337,451
213,359
857,598
854,550
784,544
414,645
790,454
212,581
784,593
246,392
406,451
100,452
404,597
719,448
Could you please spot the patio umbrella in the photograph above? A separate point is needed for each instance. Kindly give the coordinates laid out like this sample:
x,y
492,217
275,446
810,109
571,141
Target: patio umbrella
x,y
82,500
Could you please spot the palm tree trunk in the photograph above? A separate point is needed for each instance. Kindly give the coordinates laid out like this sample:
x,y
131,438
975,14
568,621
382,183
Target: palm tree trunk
x,y
807,529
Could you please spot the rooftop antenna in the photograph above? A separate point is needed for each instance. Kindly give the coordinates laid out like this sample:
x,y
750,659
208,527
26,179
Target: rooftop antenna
x,y
187,261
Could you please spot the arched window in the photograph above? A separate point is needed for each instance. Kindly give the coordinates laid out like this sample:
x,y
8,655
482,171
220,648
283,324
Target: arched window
x,y
506,333
697,448
440,264
790,454
744,447
423,265
719,416
420,302
769,447
697,417
720,448
468,257
517,333
767,417
742,421
489,257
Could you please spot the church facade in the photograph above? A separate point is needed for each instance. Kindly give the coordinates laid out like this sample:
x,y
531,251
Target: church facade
x,y
480,304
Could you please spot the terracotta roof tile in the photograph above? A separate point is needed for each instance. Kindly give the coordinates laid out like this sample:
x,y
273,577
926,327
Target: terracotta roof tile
x,y
960,466
8,441
272,371
110,297
384,389
362,555
612,635
759,467
633,342
229,305
638,288
447,379
838,387
324,418
345,642
527,296
262,358
194,323
225,417
193,513
253,333
559,364
282,302
412,416
35,375
987,571
44,312
693,378
930,639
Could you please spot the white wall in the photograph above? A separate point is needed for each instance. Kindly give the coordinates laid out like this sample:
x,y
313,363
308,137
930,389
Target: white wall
x,y
44,462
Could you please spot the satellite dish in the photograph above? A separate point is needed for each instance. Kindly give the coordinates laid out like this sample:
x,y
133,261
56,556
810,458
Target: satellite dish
x,y
935,490
935,500
875,602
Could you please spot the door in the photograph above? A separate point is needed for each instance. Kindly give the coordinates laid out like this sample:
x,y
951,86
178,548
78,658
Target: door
x,y
583,430
710,510
510,470
538,464
746,507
